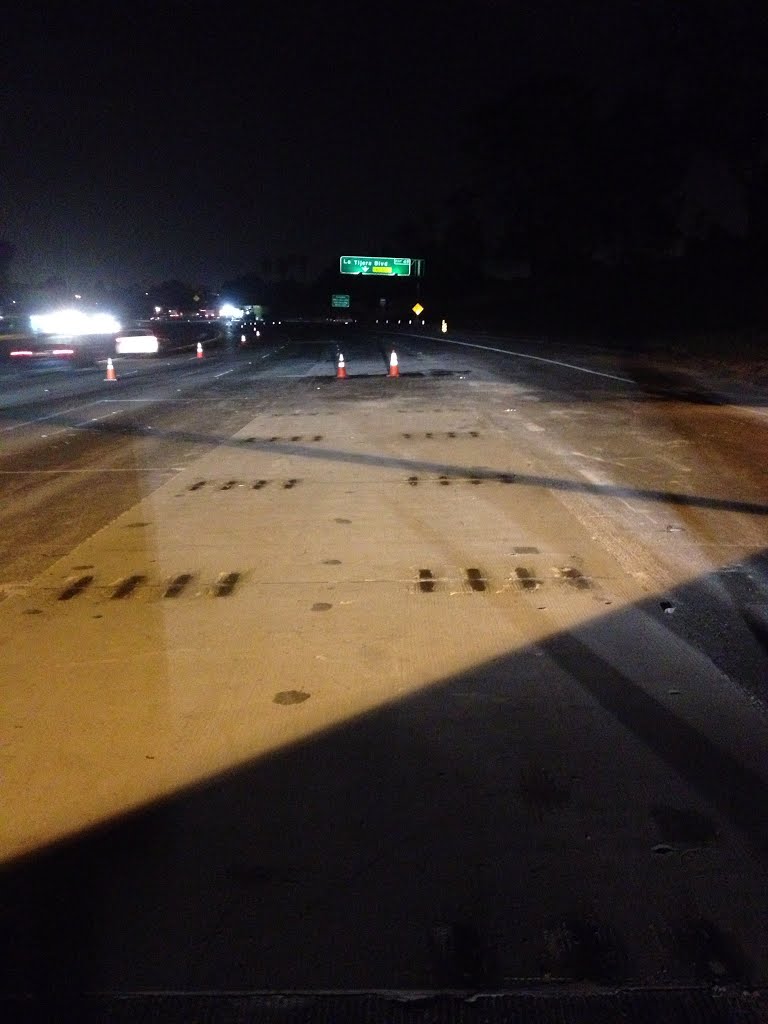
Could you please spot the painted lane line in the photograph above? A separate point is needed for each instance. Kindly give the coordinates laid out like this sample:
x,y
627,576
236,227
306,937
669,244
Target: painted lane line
x,y
525,355
165,401
51,416
58,472
224,373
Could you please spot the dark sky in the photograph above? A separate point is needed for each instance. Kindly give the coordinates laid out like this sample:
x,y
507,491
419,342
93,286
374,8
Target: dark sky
x,y
153,141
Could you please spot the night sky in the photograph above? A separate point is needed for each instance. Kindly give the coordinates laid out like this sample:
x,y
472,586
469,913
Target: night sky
x,y
191,141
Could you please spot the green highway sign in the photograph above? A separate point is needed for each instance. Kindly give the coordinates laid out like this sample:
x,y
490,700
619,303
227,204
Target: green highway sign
x,y
376,266
340,301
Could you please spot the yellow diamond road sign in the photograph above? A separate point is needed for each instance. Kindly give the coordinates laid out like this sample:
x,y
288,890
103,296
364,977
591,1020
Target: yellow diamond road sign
x,y
418,309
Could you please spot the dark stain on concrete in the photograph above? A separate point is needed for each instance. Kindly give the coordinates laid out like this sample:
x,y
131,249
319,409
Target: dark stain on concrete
x,y
286,697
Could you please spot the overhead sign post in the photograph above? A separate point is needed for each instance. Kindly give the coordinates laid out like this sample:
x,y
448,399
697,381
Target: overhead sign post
x,y
376,266
340,301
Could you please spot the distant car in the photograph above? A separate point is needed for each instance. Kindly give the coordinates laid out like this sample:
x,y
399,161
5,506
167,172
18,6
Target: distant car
x,y
20,344
137,342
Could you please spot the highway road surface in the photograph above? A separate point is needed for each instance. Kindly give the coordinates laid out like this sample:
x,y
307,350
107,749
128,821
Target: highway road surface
x,y
449,682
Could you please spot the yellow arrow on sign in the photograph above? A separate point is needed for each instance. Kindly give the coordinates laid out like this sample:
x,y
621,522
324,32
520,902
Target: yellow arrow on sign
x,y
418,309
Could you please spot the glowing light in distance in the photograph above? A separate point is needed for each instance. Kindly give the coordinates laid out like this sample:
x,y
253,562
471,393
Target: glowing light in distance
x,y
230,312
74,322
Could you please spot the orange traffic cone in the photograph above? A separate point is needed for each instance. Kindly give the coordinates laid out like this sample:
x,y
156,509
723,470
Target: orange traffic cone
x,y
394,369
341,368
199,350
111,375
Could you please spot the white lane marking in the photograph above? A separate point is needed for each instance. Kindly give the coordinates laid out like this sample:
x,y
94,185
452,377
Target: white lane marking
x,y
57,472
55,433
165,401
52,416
525,355
594,458
224,373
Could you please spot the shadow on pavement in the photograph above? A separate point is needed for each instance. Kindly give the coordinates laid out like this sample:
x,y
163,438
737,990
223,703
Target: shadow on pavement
x,y
541,819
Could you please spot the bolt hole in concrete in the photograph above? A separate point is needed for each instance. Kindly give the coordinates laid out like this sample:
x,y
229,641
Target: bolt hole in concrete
x,y
226,584
177,584
321,606
286,697
426,581
575,578
75,588
127,586
476,580
526,579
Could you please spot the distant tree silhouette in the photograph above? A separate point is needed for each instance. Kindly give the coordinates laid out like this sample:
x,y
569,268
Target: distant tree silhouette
x,y
173,294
